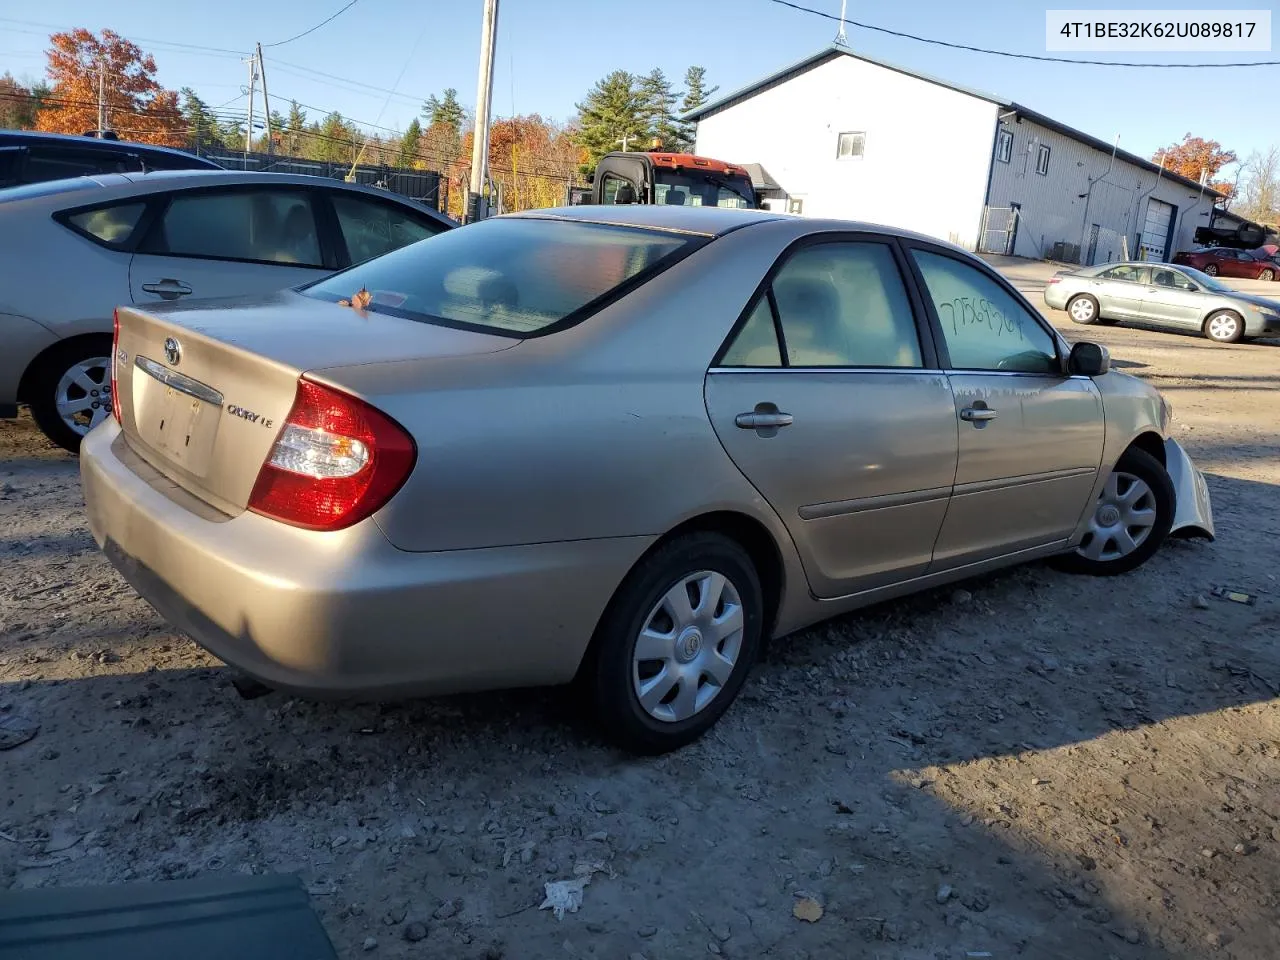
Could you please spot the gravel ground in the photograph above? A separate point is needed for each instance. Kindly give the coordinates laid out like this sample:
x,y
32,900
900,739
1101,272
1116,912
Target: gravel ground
x,y
1030,765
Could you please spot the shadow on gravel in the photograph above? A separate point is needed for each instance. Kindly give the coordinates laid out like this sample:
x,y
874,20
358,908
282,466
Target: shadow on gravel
x,y
882,763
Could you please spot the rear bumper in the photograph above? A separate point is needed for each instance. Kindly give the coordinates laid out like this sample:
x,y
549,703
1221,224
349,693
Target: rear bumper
x,y
347,613
1193,516
1055,296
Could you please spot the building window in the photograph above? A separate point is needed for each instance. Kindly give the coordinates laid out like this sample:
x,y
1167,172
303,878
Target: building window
x,y
1004,145
795,205
1042,161
851,145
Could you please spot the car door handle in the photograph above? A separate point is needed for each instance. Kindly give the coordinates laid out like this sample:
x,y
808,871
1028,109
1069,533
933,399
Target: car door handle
x,y
762,421
168,288
977,414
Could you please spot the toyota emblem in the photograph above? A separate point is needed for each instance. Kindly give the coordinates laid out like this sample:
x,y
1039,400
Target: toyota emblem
x,y
172,351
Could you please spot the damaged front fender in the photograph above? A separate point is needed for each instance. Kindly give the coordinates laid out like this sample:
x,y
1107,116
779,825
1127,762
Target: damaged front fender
x,y
1193,516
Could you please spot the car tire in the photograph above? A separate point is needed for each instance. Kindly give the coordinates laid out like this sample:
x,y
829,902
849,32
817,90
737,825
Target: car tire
x,y
1224,326
1138,501
1083,309
616,670
1267,274
1211,269
76,374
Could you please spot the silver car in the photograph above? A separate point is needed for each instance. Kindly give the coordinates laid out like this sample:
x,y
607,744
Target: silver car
x,y
1165,294
620,444
71,250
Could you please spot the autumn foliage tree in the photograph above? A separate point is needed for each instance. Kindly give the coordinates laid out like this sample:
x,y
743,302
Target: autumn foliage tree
x,y
138,107
1195,157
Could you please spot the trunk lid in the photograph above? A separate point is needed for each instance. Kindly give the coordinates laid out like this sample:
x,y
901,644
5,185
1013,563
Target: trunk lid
x,y
205,387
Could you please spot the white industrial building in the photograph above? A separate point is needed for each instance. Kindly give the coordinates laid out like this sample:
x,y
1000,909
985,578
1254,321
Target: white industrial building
x,y
841,134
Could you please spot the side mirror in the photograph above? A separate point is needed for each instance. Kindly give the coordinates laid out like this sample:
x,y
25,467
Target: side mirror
x,y
1193,288
1088,360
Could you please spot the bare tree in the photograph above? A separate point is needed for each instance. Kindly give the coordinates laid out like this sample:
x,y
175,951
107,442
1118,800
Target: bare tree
x,y
1260,200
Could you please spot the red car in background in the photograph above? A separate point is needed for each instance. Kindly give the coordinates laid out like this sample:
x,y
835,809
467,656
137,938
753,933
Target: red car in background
x,y
1226,262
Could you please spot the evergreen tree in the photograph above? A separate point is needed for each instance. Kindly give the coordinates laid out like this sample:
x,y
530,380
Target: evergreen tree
x,y
407,154
446,112
613,110
696,93
202,126
658,105
295,128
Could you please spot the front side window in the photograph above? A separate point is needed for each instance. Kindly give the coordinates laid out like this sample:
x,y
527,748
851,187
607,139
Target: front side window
x,y
612,184
1173,279
111,225
513,276
268,226
372,228
851,145
1042,161
984,327
1128,272
1004,145
838,305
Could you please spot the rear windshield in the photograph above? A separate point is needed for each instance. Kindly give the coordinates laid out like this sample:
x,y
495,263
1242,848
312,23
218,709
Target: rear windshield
x,y
516,277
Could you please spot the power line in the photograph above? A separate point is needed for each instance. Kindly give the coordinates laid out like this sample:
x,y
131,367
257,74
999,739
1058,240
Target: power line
x,y
168,43
342,83
1022,56
281,43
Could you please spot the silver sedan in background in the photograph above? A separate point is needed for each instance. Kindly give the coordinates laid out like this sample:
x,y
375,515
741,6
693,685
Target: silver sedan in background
x,y
1164,294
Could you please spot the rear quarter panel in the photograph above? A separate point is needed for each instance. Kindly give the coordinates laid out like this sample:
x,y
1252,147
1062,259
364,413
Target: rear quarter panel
x,y
598,431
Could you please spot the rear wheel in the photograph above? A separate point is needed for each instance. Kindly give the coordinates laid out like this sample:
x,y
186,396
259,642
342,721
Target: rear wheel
x,y
1225,326
1130,519
70,390
1267,274
1083,308
676,643
1211,269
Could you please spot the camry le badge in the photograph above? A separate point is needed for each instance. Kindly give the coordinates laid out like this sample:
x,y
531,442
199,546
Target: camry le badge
x,y
172,351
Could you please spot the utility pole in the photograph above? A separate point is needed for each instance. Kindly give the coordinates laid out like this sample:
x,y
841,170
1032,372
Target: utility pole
x,y
248,130
102,95
842,38
624,141
484,93
266,104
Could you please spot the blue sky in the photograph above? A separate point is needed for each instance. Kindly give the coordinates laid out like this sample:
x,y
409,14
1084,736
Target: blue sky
x,y
551,51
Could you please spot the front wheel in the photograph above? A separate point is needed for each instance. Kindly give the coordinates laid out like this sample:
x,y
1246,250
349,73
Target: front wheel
x,y
70,390
1224,326
1083,309
1211,269
1130,519
675,645
1267,274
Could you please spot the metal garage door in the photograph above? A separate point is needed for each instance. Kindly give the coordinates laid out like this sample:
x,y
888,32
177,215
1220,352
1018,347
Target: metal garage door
x,y
1155,232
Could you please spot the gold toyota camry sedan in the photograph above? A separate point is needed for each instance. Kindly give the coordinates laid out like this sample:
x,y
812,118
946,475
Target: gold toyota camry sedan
x,y
613,445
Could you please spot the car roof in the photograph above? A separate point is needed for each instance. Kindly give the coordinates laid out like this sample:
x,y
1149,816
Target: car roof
x,y
26,137
712,221
113,186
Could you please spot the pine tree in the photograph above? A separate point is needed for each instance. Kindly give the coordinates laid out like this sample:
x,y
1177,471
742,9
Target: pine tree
x,y
294,129
447,112
613,110
407,154
696,93
658,104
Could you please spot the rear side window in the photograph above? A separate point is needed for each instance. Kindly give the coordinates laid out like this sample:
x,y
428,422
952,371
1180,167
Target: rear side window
x,y
838,305
371,228
511,276
45,163
266,226
111,225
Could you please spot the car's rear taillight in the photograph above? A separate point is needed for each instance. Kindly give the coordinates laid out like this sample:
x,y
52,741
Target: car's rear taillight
x,y
1053,280
115,352
336,461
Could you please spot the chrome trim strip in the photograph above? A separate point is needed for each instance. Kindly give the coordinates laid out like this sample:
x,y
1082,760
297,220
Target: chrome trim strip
x,y
918,371
1001,483
836,508
178,381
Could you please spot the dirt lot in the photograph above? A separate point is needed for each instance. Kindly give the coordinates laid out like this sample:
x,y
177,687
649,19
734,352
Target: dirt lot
x,y
1032,765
